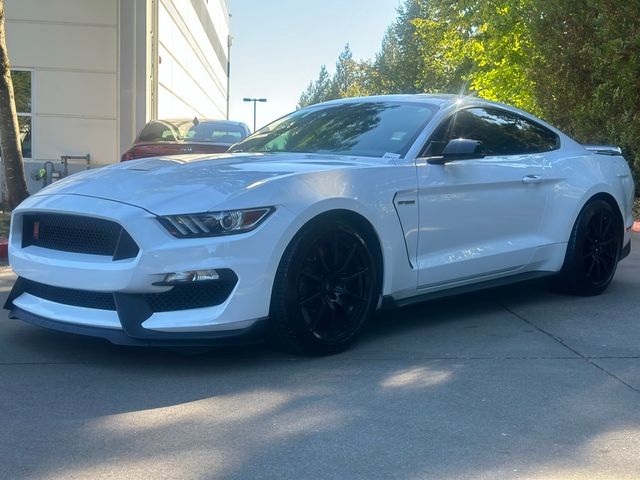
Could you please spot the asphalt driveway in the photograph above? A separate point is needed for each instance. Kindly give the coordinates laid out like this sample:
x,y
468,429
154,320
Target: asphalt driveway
x,y
513,383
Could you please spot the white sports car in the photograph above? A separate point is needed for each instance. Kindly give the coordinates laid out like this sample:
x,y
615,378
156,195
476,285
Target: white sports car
x,y
308,226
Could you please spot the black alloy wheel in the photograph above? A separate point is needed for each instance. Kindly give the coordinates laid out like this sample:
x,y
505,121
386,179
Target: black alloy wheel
x,y
325,290
593,250
600,247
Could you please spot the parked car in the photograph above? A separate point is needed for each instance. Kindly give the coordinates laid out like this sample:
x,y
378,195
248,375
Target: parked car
x,y
309,225
182,136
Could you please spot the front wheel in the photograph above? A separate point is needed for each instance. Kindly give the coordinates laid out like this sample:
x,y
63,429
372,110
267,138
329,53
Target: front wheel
x,y
325,289
593,251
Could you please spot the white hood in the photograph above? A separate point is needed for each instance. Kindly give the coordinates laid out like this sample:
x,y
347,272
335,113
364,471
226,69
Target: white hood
x,y
182,184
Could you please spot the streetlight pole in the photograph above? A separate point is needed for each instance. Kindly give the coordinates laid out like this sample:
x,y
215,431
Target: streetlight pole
x,y
255,101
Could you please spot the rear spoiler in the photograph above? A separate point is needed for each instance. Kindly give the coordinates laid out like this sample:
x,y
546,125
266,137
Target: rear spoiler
x,y
604,149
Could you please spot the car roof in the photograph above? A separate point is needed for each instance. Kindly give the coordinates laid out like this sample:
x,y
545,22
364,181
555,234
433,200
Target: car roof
x,y
441,100
201,120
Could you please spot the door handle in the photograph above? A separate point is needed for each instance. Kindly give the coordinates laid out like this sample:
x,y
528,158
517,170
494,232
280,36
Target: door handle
x,y
531,179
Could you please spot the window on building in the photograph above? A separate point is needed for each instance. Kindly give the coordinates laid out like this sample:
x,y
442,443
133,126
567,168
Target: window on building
x,y
23,94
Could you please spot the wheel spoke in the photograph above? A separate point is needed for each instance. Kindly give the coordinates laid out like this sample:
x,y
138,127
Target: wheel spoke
x,y
332,324
598,268
309,299
323,261
347,315
311,276
349,258
354,275
606,227
335,250
318,316
591,267
354,296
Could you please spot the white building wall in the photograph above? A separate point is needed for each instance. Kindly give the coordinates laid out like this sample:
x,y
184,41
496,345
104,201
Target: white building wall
x,y
192,58
101,69
71,47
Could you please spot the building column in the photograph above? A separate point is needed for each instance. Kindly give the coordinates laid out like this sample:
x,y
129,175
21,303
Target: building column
x,y
137,24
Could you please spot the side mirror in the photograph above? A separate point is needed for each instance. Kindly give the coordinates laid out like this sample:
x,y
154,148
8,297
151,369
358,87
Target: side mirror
x,y
459,149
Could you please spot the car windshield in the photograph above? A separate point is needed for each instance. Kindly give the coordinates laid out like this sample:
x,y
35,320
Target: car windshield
x,y
368,129
203,131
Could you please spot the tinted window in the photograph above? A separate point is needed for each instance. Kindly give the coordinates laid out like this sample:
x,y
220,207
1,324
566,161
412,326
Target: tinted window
x,y
203,131
215,132
370,129
159,131
501,133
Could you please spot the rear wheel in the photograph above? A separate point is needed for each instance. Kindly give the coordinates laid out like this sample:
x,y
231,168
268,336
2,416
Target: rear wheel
x,y
325,289
593,251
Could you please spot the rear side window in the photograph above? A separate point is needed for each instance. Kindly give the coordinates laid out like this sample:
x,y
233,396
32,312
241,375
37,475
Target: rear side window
x,y
158,131
501,133
215,132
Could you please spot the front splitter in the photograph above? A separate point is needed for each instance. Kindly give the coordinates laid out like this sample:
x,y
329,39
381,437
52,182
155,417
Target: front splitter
x,y
251,335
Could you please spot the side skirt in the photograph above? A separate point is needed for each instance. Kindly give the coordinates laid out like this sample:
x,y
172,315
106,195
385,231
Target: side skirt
x,y
390,303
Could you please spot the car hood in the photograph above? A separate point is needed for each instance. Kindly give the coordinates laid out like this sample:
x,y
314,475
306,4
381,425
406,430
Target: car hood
x,y
191,183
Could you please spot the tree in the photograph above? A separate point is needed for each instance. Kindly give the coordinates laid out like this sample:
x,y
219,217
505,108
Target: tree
x,y
576,64
587,77
352,78
318,91
9,130
399,63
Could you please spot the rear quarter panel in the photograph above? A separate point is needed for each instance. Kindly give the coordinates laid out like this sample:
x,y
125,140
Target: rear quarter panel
x,y
578,176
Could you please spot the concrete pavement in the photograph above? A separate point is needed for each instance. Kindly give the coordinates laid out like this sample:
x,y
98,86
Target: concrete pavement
x,y
512,383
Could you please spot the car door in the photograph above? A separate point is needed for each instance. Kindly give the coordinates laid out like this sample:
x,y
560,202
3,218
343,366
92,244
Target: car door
x,y
481,218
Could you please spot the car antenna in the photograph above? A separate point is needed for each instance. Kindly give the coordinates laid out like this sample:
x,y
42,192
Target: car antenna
x,y
196,121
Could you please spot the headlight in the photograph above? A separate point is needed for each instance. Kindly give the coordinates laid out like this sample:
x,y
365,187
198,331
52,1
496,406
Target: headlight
x,y
214,224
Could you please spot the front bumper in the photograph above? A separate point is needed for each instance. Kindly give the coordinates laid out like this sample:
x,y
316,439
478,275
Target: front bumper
x,y
127,282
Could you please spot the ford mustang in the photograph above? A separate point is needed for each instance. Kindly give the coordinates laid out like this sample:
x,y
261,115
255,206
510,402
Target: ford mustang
x,y
305,228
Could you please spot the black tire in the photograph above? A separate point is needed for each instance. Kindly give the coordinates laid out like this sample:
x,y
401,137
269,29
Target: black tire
x,y
325,289
593,251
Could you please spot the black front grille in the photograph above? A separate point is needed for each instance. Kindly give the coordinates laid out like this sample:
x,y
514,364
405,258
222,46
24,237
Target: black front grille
x,y
77,234
180,297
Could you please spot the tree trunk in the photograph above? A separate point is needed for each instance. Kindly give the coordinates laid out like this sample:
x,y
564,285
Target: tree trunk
x,y
10,146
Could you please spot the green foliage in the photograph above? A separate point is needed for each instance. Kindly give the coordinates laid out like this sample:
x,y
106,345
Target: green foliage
x,y
576,64
588,78
352,79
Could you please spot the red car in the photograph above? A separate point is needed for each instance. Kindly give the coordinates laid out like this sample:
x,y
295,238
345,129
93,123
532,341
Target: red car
x,y
182,136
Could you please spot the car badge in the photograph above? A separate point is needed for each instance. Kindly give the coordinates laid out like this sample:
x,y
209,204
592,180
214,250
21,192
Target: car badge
x,y
36,230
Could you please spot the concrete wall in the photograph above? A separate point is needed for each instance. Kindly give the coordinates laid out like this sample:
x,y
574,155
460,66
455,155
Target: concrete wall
x,y
101,69
192,58
71,47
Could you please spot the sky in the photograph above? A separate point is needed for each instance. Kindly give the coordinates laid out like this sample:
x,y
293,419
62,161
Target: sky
x,y
280,45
